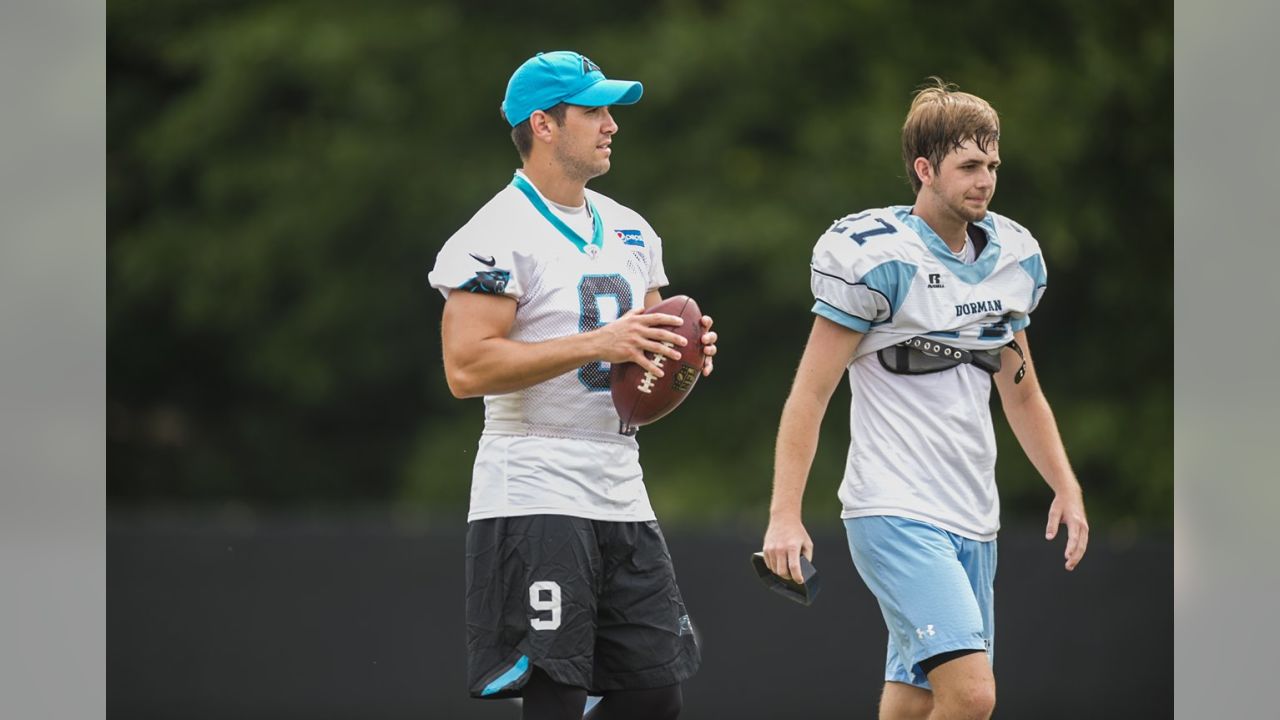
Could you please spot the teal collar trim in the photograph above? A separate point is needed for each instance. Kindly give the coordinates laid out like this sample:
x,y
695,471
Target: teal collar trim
x,y
971,274
597,225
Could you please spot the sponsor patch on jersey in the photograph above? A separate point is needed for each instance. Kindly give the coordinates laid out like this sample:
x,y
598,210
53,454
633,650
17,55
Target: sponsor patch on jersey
x,y
630,237
981,306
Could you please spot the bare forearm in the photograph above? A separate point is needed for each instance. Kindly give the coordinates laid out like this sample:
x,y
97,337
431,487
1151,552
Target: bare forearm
x,y
793,456
827,354
1037,432
500,365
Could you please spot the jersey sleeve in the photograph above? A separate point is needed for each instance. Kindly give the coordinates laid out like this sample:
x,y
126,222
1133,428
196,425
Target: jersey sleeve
x,y
1031,259
472,262
657,271
857,286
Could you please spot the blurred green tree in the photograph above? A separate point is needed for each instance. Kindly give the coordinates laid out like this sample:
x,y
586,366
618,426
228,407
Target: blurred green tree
x,y
281,174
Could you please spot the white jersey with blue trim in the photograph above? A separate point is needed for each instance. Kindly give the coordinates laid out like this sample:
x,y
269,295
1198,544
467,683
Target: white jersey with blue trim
x,y
554,447
922,446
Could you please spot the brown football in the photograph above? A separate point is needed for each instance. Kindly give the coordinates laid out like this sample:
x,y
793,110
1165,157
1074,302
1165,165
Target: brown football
x,y
642,398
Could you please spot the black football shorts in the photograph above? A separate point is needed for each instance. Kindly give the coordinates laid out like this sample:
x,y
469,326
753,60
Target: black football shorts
x,y
594,604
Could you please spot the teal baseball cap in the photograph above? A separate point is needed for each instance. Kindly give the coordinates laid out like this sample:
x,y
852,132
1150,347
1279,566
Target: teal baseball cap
x,y
547,79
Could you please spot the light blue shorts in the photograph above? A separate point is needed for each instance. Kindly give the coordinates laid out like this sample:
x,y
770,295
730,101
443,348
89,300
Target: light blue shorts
x,y
935,590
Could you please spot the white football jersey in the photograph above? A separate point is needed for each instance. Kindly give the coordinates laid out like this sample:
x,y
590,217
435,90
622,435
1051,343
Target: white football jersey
x,y
922,446
554,447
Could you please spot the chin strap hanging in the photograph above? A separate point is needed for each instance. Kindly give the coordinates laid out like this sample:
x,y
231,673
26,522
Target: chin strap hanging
x,y
1022,368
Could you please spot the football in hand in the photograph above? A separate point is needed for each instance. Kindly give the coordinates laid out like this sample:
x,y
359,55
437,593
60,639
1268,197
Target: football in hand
x,y
641,397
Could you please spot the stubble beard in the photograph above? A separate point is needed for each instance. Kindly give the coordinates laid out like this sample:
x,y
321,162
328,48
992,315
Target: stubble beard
x,y
579,168
963,211
968,214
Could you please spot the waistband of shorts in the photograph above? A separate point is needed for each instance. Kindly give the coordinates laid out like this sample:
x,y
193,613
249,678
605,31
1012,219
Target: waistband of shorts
x,y
901,514
519,429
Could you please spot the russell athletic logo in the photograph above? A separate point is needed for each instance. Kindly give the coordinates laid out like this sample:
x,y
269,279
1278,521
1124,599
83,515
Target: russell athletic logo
x,y
982,306
935,280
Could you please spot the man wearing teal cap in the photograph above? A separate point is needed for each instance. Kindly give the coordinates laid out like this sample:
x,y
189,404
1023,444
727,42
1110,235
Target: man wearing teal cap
x,y
547,79
570,587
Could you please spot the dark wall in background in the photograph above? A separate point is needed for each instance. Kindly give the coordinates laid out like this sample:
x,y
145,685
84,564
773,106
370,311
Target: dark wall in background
x,y
330,619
